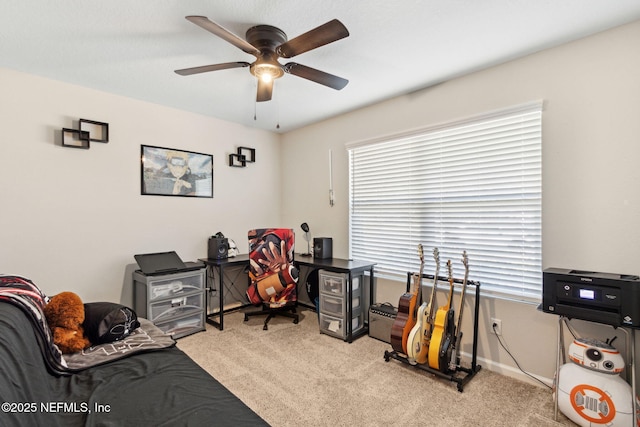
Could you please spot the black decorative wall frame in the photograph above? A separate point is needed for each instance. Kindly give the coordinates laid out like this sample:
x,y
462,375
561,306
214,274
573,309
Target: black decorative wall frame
x,y
75,138
98,131
88,130
243,156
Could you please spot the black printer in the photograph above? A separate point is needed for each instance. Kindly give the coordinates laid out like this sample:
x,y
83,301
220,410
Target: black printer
x,y
613,299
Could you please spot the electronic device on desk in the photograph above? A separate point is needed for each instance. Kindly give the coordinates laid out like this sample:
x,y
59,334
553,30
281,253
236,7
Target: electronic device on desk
x,y
381,318
160,263
218,247
612,299
322,247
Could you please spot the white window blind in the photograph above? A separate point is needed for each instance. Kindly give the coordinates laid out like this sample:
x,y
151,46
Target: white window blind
x,y
473,185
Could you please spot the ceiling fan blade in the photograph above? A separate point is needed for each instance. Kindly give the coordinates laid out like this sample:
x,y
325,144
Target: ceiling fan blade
x,y
314,75
324,34
264,91
214,67
223,33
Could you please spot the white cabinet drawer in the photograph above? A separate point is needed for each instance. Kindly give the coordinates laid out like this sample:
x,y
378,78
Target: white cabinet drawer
x,y
175,286
335,326
183,326
177,306
336,283
335,306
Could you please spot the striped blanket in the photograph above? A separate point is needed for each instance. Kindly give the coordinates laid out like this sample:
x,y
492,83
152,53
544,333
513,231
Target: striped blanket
x,y
25,294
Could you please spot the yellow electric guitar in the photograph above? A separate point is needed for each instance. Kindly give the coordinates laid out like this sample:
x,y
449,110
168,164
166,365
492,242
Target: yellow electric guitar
x,y
420,335
443,330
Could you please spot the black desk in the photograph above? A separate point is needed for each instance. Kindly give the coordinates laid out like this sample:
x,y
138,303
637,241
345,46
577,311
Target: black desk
x,y
220,264
337,265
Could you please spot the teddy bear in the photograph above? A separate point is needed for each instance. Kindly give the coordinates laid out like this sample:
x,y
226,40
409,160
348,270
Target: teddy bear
x,y
65,314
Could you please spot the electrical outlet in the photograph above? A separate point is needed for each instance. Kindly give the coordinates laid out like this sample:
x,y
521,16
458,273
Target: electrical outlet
x,y
496,326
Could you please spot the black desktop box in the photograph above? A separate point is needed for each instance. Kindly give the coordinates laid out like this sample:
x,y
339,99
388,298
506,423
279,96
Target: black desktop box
x,y
322,247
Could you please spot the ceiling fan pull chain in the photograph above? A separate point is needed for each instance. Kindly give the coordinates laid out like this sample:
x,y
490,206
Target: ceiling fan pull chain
x,y
278,113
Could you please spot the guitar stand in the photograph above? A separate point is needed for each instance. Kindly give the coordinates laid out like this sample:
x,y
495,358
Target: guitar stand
x,y
460,375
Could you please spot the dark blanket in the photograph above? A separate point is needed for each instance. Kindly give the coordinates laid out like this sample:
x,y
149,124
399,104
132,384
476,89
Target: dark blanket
x,y
24,294
160,388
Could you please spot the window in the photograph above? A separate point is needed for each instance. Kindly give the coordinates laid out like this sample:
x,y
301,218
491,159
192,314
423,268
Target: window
x,y
472,185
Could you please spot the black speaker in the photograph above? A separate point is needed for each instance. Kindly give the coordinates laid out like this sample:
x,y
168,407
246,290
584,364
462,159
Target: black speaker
x,y
322,247
218,247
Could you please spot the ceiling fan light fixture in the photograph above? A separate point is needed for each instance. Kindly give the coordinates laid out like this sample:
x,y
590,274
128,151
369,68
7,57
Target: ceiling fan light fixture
x,y
267,68
267,72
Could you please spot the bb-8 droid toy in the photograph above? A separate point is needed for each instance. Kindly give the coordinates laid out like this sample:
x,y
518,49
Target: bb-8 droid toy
x,y
590,390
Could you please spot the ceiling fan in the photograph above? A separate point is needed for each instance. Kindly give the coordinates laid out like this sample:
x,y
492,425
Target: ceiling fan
x,y
269,43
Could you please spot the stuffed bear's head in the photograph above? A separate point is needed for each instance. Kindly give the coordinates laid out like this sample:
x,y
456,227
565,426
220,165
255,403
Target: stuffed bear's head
x,y
65,314
65,310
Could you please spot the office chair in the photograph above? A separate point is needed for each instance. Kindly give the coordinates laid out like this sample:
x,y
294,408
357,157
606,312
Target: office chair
x,y
274,278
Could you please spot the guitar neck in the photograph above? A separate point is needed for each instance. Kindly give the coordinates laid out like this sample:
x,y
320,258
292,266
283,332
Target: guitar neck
x,y
432,299
417,289
450,278
465,262
462,293
417,280
450,299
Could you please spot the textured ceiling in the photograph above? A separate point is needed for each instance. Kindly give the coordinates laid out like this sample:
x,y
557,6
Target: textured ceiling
x,y
132,48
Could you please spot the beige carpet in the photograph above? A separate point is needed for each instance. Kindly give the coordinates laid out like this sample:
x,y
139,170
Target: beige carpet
x,y
292,375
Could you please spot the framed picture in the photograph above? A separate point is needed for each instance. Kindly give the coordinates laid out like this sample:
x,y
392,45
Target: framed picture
x,y
171,172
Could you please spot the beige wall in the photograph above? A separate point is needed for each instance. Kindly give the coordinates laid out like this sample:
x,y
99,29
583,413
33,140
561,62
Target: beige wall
x,y
591,196
72,219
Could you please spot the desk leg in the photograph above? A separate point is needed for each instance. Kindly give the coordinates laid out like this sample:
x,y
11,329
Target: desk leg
x,y
221,284
372,290
218,324
349,320
632,366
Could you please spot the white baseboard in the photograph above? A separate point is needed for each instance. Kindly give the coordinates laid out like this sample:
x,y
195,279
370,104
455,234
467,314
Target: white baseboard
x,y
508,371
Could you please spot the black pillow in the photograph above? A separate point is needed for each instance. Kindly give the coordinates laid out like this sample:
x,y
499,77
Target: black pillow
x,y
105,322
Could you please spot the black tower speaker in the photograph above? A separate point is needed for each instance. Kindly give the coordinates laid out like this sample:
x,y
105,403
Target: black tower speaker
x,y
218,247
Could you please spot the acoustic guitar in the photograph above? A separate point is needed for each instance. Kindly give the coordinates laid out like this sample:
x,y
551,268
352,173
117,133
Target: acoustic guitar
x,y
420,335
455,354
407,311
443,330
